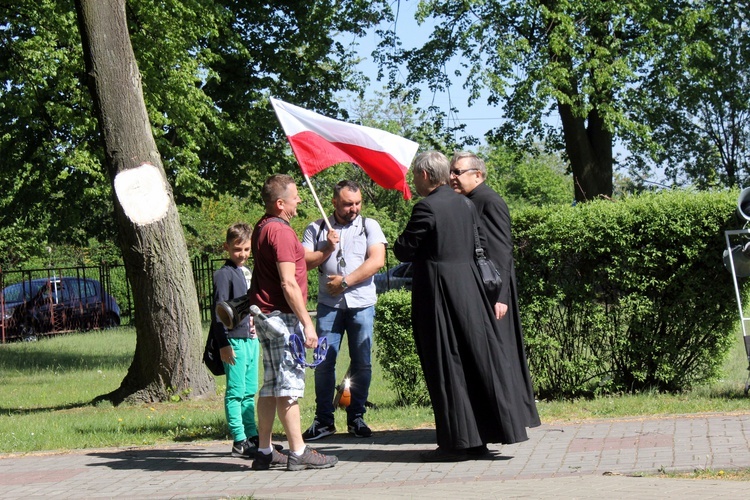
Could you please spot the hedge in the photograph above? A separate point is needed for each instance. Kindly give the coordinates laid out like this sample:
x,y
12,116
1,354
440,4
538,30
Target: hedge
x,y
615,296
627,295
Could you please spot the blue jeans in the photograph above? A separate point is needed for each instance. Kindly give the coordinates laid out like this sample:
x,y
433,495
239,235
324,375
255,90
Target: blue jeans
x,y
357,323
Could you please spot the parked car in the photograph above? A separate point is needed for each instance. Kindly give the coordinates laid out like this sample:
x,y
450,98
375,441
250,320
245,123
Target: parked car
x,y
52,305
16,295
394,278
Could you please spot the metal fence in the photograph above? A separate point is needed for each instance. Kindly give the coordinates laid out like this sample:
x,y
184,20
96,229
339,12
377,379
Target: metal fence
x,y
203,273
113,282
37,295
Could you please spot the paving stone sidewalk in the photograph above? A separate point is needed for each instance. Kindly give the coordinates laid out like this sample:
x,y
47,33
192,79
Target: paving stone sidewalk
x,y
589,459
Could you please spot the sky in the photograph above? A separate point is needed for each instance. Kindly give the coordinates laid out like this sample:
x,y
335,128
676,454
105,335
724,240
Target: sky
x,y
479,118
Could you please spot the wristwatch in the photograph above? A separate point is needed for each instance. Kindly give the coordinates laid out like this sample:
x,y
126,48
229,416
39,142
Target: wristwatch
x,y
344,284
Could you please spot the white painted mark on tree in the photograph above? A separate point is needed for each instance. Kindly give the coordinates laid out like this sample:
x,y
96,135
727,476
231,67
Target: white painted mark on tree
x,y
142,192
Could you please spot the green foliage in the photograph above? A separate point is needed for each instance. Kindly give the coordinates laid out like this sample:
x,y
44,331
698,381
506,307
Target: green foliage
x,y
20,243
575,57
527,179
282,49
395,348
207,70
626,296
205,224
697,98
53,187
611,71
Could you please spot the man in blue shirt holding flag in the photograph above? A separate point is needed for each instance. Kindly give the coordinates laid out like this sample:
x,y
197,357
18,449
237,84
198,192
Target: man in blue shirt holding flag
x,y
346,303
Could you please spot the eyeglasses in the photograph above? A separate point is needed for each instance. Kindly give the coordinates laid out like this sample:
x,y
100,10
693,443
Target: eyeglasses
x,y
458,173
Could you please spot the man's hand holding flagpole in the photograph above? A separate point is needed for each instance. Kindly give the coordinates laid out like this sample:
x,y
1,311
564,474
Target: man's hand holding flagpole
x,y
317,201
319,142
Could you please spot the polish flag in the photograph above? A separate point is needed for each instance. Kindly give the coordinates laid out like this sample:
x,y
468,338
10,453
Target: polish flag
x,y
319,142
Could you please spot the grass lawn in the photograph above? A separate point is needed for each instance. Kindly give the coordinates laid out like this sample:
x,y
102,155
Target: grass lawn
x,y
46,387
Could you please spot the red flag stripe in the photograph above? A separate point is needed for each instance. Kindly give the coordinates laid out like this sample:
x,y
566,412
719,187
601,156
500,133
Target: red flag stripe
x,y
315,154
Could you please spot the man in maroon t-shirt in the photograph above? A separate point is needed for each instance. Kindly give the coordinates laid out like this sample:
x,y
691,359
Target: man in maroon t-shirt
x,y
280,284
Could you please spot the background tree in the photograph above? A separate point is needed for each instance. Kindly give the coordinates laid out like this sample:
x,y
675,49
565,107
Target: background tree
x,y
292,50
527,178
207,70
169,335
52,188
698,99
205,224
578,59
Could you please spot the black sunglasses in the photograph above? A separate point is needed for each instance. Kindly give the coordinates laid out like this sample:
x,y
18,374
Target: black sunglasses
x,y
458,173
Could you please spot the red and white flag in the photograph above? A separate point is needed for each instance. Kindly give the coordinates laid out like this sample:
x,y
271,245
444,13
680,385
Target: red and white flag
x,y
319,142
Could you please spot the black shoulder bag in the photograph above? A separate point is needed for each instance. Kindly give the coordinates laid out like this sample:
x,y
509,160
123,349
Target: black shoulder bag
x,y
211,355
493,283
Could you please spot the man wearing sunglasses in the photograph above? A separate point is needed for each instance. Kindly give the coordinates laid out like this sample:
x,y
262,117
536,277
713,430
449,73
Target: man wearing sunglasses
x,y
455,331
467,176
347,257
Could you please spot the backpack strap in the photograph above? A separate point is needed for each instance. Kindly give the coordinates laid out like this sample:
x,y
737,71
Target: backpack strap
x,y
271,219
321,224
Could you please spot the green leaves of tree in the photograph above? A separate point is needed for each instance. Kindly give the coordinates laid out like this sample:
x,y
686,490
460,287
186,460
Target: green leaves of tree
x,y
698,97
50,172
207,69
665,78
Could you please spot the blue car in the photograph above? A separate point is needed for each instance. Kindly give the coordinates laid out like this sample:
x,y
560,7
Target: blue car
x,y
397,277
53,305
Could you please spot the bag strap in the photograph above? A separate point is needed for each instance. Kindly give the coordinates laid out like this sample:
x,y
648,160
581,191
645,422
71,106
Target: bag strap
x,y
478,250
316,240
322,223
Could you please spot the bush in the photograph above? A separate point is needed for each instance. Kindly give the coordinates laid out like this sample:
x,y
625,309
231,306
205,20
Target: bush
x,y
626,296
205,226
395,348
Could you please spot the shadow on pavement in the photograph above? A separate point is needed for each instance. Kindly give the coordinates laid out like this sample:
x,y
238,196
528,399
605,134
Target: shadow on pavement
x,y
175,459
383,446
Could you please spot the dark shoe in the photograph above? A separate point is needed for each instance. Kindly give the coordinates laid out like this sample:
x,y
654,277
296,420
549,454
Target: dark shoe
x,y
441,455
478,451
261,461
317,431
255,440
243,449
359,428
310,459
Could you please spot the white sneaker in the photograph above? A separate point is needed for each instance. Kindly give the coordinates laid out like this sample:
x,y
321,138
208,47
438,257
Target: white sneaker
x,y
317,431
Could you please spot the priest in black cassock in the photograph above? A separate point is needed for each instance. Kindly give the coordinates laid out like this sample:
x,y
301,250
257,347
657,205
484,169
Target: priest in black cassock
x,y
468,173
455,331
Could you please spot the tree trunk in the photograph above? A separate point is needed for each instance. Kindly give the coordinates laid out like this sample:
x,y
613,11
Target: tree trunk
x,y
167,358
589,149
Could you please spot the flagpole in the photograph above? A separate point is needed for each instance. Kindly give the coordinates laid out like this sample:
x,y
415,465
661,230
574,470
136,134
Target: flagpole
x,y
317,201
